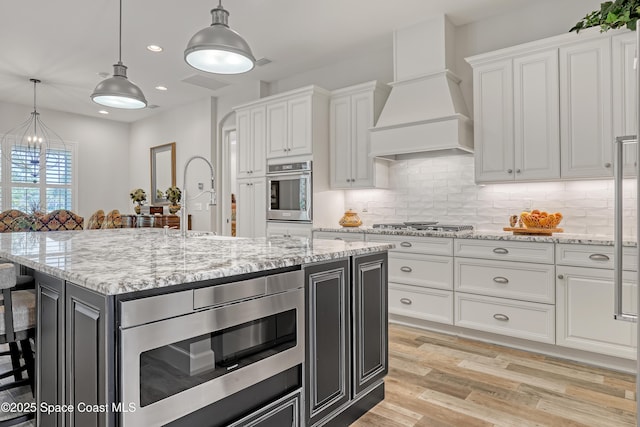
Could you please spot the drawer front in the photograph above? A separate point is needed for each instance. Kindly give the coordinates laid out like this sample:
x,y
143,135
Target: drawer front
x,y
421,303
595,256
505,250
416,245
347,237
518,319
517,280
421,270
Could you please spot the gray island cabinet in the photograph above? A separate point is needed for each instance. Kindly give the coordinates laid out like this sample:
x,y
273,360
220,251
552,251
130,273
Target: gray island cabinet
x,y
140,329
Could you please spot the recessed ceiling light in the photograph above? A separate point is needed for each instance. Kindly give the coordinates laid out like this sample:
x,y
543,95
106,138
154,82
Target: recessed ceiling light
x,y
103,112
154,48
161,88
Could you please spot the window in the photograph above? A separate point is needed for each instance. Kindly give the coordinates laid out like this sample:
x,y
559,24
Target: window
x,y
38,179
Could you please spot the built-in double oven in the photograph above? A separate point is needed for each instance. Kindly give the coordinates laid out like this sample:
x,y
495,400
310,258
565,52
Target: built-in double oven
x,y
209,356
290,192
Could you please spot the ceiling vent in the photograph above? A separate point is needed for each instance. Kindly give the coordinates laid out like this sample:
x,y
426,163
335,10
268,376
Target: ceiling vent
x,y
205,82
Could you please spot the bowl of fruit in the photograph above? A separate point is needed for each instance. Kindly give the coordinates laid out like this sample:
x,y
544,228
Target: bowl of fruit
x,y
536,222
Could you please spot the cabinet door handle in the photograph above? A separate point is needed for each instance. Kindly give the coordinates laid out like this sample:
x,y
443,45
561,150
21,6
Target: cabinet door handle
x,y
501,251
599,257
406,301
517,170
500,279
509,170
406,244
607,165
560,276
501,317
406,269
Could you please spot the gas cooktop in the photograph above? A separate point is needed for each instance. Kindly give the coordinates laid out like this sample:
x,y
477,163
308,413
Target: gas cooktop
x,y
424,226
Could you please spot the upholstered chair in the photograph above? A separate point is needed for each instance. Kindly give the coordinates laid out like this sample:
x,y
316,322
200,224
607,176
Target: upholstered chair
x,y
17,326
96,220
15,220
59,220
114,219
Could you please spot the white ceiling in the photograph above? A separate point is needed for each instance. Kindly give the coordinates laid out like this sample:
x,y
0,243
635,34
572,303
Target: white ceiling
x,y
67,43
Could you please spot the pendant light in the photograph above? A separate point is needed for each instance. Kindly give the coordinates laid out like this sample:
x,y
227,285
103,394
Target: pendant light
x,y
117,91
218,49
29,145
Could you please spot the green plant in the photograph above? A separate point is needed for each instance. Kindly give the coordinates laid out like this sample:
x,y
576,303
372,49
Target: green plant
x,y
611,15
138,196
173,195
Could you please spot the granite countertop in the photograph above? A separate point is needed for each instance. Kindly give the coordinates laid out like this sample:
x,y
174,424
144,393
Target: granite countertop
x,y
583,239
126,260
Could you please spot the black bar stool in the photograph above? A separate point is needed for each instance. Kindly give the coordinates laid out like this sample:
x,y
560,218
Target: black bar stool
x,y
17,326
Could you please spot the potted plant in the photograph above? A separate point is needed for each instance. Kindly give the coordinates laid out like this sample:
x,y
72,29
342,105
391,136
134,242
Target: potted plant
x,y
138,196
612,14
173,195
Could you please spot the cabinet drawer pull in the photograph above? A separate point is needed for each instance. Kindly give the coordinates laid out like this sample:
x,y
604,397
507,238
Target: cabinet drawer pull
x,y
500,279
406,269
501,251
501,317
599,257
338,238
406,244
406,301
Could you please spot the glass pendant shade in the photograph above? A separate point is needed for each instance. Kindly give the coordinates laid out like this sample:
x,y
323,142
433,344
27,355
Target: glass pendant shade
x,y
118,92
218,49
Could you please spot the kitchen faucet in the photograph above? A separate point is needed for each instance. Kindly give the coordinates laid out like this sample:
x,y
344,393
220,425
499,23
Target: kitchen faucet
x,y
212,200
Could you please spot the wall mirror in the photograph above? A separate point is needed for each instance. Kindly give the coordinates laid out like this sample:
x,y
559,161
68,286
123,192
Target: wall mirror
x,y
163,171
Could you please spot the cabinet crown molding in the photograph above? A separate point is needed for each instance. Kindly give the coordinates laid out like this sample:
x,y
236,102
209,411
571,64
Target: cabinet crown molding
x,y
306,90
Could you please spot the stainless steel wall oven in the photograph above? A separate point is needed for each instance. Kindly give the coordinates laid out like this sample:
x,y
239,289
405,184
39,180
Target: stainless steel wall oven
x,y
290,192
184,351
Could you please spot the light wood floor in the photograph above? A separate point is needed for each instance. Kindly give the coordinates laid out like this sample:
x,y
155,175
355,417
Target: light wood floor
x,y
438,380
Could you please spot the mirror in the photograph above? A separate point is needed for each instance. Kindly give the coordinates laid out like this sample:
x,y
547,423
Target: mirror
x,y
163,171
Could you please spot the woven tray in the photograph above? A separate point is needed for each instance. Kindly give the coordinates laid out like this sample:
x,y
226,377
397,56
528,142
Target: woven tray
x,y
534,231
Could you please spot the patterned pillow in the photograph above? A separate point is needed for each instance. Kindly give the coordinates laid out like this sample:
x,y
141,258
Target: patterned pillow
x,y
15,220
96,220
59,220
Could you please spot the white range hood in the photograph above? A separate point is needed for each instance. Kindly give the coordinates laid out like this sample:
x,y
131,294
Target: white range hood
x,y
425,112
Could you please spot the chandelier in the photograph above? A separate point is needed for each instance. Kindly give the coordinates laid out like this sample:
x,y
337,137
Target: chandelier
x,y
28,146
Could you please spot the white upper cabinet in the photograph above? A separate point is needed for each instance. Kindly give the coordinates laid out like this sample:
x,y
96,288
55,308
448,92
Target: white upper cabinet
x,y
585,109
516,121
550,109
293,122
251,208
623,76
250,125
536,116
353,112
493,121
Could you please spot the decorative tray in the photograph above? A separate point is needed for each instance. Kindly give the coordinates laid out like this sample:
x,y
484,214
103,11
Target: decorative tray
x,y
534,231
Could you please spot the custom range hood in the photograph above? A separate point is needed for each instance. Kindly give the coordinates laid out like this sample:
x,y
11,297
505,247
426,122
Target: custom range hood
x,y
425,113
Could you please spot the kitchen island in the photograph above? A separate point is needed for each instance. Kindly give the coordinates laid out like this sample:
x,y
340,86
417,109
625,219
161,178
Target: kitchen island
x,y
140,328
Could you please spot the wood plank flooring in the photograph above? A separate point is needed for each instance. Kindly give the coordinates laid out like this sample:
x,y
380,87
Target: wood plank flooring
x,y
437,380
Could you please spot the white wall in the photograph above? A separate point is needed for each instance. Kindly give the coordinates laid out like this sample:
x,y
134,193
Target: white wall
x,y
191,128
442,189
103,154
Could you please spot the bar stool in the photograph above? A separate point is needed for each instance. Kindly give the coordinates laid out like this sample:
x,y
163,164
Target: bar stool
x,y
17,326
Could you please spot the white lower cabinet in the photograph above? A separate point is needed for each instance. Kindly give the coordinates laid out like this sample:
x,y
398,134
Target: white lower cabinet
x,y
288,229
336,235
420,302
585,298
520,319
420,277
251,208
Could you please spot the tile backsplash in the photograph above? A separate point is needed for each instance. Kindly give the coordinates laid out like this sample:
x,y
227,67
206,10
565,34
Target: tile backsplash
x,y
443,189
